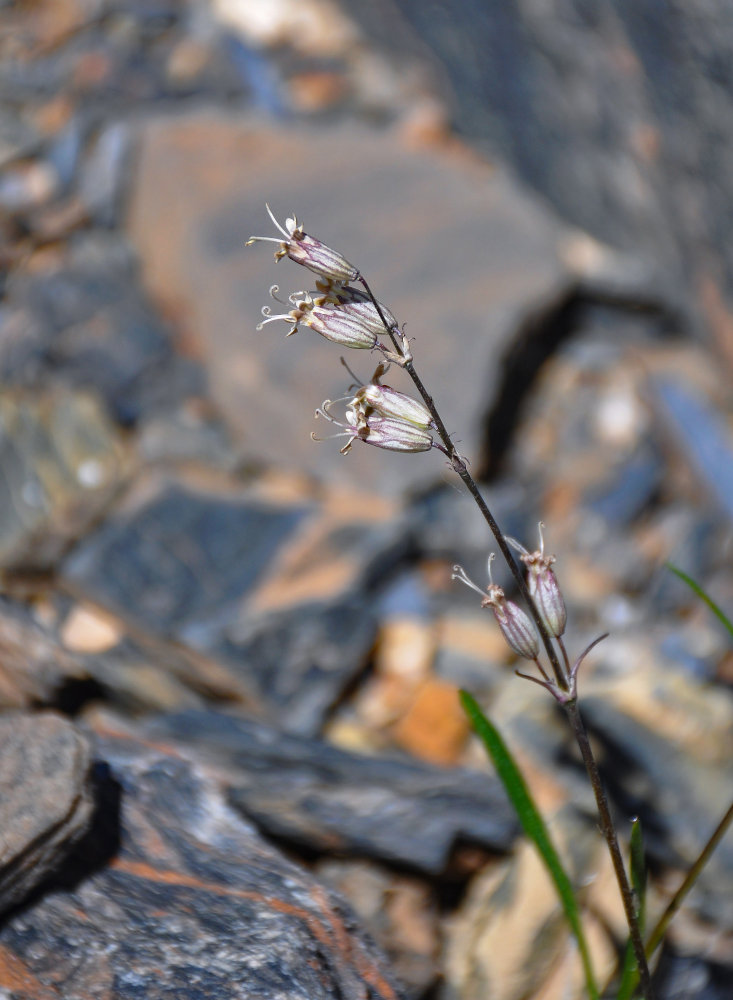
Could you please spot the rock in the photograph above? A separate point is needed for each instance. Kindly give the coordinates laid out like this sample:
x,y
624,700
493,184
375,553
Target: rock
x,y
102,176
510,938
173,894
33,665
280,594
612,115
484,255
435,727
323,799
63,461
83,321
46,804
678,800
17,137
702,436
399,911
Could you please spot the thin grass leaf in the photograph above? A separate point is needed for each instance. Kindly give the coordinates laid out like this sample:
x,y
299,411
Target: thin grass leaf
x,y
533,825
629,974
697,589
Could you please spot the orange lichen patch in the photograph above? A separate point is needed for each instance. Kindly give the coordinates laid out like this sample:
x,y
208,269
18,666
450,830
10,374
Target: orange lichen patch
x,y
435,728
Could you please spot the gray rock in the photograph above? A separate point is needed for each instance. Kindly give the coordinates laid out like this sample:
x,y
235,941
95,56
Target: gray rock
x,y
282,596
174,895
703,438
678,800
456,251
86,322
324,799
62,461
46,804
619,114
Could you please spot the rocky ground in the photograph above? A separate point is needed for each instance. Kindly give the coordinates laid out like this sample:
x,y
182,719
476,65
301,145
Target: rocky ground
x,y
234,763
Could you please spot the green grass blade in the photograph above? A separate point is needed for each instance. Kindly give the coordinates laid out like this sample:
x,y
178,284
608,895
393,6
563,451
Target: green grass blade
x,y
697,589
629,975
533,825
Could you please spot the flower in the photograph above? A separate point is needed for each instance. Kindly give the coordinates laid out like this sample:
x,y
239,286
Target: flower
x,y
388,402
332,323
357,303
363,424
515,625
308,251
543,586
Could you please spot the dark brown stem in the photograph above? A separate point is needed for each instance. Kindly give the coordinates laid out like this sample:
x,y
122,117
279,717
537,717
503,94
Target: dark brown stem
x,y
460,468
609,833
564,684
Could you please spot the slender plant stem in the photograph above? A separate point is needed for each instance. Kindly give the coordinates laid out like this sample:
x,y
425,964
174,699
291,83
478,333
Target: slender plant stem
x,y
459,466
609,833
563,681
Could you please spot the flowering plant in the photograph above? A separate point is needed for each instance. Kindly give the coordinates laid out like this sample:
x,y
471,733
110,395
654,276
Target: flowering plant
x,y
384,417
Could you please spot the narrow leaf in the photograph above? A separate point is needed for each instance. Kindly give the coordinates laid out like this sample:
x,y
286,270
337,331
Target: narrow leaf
x,y
697,589
533,825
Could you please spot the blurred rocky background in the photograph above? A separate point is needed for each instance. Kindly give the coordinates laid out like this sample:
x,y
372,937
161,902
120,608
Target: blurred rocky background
x,y
233,761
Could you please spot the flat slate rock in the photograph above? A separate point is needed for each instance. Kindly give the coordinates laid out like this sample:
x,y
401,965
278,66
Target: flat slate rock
x,y
325,799
452,246
62,461
679,801
85,321
46,803
277,593
188,901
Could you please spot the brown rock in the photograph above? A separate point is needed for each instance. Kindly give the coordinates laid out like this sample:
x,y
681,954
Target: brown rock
x,y
435,728
468,251
184,899
45,804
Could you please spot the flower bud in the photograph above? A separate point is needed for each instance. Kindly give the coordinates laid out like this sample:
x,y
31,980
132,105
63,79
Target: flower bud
x,y
395,435
389,402
363,424
339,327
515,625
357,303
543,586
308,251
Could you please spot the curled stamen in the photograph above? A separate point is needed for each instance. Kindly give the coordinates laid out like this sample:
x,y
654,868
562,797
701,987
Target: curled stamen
x,y
460,574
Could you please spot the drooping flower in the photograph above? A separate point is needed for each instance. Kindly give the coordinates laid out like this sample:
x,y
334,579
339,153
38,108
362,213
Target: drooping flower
x,y
365,424
543,586
389,402
515,625
308,251
357,303
330,322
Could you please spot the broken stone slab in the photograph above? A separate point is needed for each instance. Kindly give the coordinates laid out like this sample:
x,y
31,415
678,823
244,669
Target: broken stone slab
x,y
452,246
280,594
679,800
46,802
34,666
62,462
174,894
702,436
83,320
64,652
319,797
